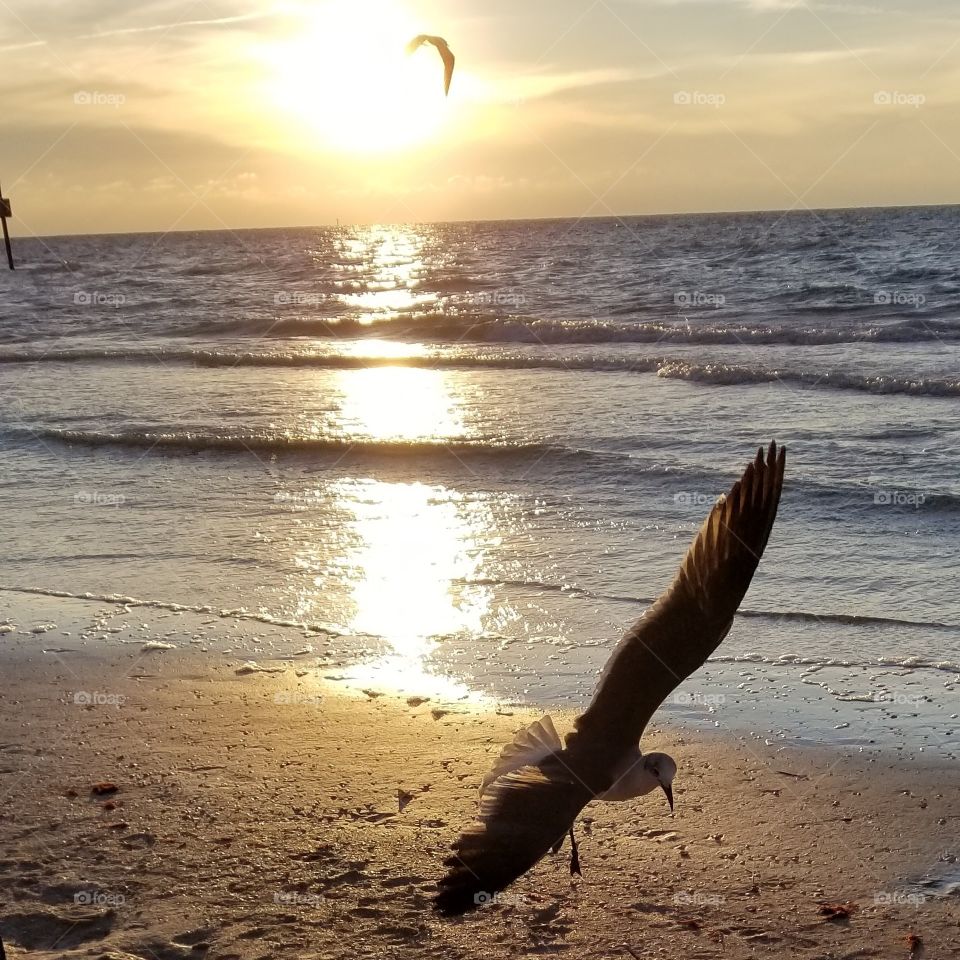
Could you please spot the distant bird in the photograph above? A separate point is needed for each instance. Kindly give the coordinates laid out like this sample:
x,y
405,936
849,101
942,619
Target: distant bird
x,y
538,787
446,55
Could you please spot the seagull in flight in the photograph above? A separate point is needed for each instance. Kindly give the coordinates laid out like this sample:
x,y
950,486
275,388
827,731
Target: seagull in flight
x,y
539,785
446,55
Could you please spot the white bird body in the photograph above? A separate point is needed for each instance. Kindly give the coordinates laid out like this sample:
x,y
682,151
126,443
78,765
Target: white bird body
x,y
634,774
634,778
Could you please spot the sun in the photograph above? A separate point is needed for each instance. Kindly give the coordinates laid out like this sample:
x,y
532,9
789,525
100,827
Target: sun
x,y
343,78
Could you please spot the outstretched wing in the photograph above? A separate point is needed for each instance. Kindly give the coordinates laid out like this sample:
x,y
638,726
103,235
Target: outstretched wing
x,y
446,54
675,636
522,815
416,42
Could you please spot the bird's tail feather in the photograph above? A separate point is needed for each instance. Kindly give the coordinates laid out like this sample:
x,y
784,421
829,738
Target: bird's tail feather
x,y
528,747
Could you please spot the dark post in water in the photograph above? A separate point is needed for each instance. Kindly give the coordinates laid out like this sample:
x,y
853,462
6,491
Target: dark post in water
x,y
6,211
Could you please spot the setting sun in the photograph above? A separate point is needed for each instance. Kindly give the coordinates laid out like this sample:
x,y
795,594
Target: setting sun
x,y
344,77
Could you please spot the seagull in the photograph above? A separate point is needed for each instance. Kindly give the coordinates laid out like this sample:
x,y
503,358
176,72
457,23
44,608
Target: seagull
x,y
539,785
446,55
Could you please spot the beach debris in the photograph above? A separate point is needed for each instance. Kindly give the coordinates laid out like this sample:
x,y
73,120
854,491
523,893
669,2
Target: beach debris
x,y
251,666
796,776
373,694
403,798
838,912
416,701
438,714
914,944
44,628
139,841
104,788
152,645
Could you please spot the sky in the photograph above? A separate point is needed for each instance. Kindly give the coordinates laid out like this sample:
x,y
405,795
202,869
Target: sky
x,y
206,114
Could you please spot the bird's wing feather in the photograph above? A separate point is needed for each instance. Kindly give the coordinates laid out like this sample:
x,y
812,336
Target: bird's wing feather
x,y
416,42
688,621
530,745
446,54
522,815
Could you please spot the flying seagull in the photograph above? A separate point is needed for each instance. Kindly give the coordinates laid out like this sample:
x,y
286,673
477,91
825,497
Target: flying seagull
x,y
446,55
538,786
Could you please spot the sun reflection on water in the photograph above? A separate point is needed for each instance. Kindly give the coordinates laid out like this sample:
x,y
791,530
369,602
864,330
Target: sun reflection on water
x,y
415,546
407,553
382,268
399,403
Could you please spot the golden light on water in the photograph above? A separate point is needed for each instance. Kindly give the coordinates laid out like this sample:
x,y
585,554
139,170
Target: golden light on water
x,y
384,349
389,263
415,545
399,404
344,76
407,551
414,542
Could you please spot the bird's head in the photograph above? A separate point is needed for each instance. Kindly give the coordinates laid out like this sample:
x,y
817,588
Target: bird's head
x,y
663,768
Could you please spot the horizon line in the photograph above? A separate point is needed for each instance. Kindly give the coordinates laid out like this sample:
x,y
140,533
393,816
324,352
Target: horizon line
x,y
782,211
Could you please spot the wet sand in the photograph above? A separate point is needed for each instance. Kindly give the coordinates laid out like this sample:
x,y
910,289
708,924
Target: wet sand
x,y
258,815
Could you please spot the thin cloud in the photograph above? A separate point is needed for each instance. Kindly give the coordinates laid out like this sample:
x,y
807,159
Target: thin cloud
x,y
157,27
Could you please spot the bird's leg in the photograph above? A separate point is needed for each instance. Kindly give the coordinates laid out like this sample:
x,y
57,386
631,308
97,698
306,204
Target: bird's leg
x,y
574,856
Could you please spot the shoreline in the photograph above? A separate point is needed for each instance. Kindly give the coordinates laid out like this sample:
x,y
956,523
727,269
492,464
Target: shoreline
x,y
259,815
821,705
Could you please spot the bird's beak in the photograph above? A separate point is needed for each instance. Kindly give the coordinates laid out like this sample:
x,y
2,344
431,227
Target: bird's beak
x,y
668,790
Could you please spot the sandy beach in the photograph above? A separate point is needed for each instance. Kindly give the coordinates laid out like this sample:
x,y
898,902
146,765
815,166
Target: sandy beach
x,y
162,802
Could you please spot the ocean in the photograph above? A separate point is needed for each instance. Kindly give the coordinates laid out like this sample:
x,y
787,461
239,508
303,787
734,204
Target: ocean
x,y
467,455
